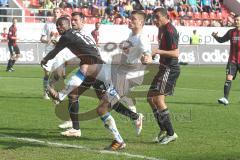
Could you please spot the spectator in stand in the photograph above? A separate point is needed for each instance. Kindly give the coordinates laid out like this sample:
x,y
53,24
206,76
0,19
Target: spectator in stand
x,y
105,20
4,35
184,5
199,5
128,8
216,6
193,5
158,4
95,32
101,6
48,5
110,7
169,5
119,10
206,5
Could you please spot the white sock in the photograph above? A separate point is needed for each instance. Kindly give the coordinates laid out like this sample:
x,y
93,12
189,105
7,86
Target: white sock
x,y
74,81
110,124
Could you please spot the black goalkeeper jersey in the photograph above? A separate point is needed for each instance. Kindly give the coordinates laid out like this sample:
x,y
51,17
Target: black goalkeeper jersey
x,y
79,44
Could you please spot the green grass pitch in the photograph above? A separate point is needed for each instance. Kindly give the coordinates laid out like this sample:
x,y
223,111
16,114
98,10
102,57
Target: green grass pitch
x,y
206,129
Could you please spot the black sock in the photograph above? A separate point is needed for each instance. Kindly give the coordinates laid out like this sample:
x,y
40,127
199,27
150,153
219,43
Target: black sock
x,y
9,64
227,87
158,119
13,62
165,120
120,108
73,110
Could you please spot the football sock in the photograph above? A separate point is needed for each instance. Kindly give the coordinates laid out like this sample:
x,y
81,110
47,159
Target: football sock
x,y
158,119
120,108
45,82
9,64
110,124
73,110
165,120
13,62
227,87
74,81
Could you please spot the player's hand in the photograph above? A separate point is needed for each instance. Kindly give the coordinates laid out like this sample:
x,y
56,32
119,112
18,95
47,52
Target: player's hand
x,y
214,34
44,62
155,51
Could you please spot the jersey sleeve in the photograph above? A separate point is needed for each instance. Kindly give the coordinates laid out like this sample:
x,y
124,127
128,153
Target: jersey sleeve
x,y
224,38
44,30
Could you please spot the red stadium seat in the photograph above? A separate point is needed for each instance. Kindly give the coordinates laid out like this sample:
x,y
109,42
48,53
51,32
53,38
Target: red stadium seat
x,y
181,13
192,23
94,20
190,14
212,15
205,15
76,9
219,15
199,22
206,23
197,15
86,12
68,11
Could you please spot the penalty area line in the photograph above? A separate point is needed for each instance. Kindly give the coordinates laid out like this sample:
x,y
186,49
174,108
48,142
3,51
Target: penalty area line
x,y
64,145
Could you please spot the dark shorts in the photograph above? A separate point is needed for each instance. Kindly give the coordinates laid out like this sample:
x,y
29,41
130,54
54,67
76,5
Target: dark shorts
x,y
165,80
232,69
13,49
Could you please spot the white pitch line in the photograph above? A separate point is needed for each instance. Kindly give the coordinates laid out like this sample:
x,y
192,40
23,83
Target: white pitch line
x,y
79,147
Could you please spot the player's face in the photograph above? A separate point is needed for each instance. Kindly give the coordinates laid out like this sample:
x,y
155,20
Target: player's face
x,y
14,21
135,22
62,27
57,13
158,19
237,22
77,22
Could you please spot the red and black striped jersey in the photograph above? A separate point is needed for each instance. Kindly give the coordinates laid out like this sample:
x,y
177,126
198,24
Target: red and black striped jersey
x,y
12,35
234,36
168,40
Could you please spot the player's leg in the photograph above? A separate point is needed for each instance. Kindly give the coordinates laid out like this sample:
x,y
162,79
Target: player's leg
x,y
74,107
10,61
17,55
231,71
162,85
110,124
120,106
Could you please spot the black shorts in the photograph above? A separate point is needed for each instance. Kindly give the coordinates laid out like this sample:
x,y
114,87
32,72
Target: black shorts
x,y
165,80
232,69
13,49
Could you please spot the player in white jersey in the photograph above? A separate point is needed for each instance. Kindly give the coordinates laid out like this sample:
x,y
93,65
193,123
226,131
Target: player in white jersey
x,y
50,37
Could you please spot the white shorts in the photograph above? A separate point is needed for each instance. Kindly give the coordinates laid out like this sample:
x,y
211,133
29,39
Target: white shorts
x,y
60,59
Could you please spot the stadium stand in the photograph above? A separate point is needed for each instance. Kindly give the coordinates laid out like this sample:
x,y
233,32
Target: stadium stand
x,y
33,11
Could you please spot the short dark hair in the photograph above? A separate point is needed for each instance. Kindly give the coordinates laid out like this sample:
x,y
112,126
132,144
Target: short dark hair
x,y
139,12
163,12
63,19
80,14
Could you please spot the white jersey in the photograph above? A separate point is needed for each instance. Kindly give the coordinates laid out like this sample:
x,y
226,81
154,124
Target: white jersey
x,y
138,45
50,31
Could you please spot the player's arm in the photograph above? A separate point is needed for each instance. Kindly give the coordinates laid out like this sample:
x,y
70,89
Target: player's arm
x,y
171,53
59,46
223,39
10,35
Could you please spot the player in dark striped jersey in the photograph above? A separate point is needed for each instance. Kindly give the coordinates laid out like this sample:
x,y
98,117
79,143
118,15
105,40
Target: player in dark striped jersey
x,y
12,45
164,81
233,65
